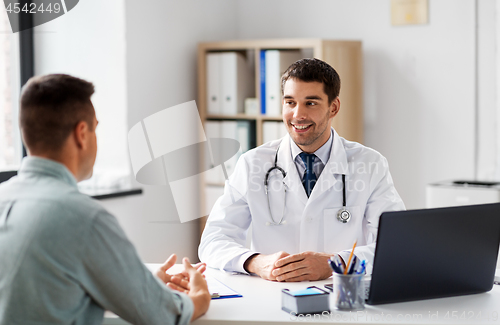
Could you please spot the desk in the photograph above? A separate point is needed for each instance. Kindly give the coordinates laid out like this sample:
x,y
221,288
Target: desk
x,y
261,304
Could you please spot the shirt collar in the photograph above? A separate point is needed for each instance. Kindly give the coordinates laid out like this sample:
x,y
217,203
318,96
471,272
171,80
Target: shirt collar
x,y
323,153
46,167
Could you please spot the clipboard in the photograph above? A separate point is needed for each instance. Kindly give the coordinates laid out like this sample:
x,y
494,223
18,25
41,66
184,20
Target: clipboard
x,y
219,290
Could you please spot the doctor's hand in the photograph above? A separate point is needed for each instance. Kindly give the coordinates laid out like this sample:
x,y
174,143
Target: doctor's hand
x,y
306,266
264,265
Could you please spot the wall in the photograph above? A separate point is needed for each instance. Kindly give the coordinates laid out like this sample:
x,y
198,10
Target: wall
x,y
487,144
418,80
162,38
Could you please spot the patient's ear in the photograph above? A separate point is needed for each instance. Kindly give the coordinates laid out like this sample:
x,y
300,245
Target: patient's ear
x,y
80,134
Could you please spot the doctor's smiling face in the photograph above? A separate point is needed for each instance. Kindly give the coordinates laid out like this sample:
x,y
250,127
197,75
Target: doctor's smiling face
x,y
310,89
308,113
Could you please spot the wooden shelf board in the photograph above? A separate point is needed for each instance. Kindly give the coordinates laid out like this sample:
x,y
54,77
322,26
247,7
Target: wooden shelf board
x,y
272,118
232,117
243,117
215,184
294,43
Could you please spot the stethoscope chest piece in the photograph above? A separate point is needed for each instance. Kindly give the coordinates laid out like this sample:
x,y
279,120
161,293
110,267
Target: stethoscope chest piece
x,y
343,215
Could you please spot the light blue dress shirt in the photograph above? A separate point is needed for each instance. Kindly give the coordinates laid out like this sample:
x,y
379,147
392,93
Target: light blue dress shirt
x,y
64,259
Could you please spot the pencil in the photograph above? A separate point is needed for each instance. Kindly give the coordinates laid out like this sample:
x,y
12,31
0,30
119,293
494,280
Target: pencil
x,y
350,257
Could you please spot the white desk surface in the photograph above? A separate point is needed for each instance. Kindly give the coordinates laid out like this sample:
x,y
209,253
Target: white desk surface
x,y
261,304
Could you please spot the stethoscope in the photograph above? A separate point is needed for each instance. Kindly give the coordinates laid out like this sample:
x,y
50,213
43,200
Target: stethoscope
x,y
343,215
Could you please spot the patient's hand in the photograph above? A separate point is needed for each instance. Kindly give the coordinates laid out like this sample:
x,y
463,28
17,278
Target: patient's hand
x,y
198,289
179,281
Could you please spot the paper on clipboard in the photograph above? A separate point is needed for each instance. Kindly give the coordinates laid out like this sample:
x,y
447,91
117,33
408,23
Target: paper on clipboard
x,y
219,290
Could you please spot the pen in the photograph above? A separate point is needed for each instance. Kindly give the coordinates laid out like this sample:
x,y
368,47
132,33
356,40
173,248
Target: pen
x,y
363,267
334,266
339,263
353,265
350,257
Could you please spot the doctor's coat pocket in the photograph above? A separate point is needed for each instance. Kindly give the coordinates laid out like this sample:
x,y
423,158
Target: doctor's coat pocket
x,y
340,236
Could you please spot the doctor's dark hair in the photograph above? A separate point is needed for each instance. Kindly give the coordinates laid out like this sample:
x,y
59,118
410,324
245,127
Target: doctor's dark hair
x,y
51,106
309,70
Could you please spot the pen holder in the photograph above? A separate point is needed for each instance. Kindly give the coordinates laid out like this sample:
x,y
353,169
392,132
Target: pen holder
x,y
348,292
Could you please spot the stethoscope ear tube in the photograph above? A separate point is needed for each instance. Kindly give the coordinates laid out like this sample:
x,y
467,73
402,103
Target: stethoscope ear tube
x,y
266,182
266,179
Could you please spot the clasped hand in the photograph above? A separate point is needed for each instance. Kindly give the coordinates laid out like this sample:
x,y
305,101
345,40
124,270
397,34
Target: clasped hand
x,y
281,266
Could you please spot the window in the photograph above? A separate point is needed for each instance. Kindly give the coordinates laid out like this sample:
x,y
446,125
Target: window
x,y
10,139
68,46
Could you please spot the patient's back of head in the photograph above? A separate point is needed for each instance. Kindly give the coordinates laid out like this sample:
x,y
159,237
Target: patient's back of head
x,y
50,108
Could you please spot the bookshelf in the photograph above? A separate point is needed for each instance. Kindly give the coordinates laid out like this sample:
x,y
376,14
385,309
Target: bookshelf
x,y
343,55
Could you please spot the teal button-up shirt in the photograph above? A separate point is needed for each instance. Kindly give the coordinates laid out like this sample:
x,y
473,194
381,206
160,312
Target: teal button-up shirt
x,y
64,258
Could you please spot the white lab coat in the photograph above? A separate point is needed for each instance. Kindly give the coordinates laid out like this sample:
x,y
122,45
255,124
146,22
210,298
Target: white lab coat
x,y
311,224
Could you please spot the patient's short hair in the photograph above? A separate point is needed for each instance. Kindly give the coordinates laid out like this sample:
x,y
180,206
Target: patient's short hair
x,y
51,106
310,70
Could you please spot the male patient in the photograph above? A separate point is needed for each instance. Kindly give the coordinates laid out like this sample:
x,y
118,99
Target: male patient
x,y
63,258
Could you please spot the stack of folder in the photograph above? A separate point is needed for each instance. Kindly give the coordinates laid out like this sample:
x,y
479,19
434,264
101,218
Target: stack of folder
x,y
230,80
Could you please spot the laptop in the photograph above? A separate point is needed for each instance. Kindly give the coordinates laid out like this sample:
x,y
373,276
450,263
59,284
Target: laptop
x,y
433,253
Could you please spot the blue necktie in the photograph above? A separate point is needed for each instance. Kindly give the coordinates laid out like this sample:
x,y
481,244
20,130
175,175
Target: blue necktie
x,y
309,177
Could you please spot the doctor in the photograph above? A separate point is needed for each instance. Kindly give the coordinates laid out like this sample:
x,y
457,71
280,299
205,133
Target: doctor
x,y
323,191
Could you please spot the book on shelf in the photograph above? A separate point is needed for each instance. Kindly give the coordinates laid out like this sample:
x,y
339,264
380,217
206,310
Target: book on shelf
x,y
215,174
252,107
213,84
229,130
262,81
229,82
276,63
242,131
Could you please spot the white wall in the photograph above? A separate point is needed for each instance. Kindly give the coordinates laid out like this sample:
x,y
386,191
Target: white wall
x,y
162,38
489,87
418,80
488,166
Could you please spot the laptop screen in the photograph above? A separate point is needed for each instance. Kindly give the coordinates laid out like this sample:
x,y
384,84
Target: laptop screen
x,y
434,253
